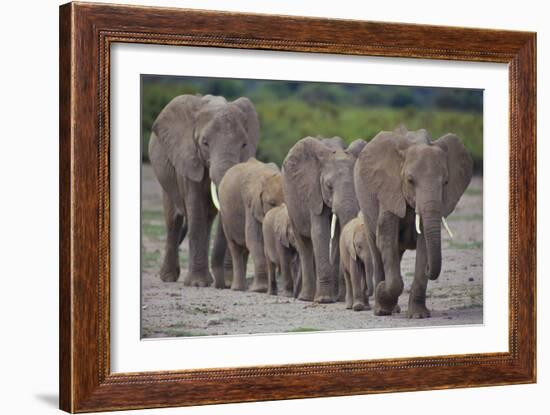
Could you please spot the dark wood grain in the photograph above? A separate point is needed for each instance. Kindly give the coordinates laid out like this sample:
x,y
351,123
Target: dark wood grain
x,y
86,33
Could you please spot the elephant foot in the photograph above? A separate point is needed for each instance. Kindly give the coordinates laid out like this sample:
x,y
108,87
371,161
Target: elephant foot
x,y
324,299
228,276
323,294
361,306
287,293
380,311
219,278
418,311
220,284
169,274
197,279
305,296
258,287
349,302
238,285
384,304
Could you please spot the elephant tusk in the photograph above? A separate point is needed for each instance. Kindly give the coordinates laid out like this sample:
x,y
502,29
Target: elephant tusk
x,y
446,226
332,231
214,194
332,226
417,223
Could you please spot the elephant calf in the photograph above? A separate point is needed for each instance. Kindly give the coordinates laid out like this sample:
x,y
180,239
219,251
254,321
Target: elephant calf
x,y
247,192
356,264
280,251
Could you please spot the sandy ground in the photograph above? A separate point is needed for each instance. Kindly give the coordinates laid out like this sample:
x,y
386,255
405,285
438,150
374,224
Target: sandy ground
x,y
172,310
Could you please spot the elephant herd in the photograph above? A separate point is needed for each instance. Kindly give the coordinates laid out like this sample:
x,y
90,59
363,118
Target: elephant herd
x,y
334,222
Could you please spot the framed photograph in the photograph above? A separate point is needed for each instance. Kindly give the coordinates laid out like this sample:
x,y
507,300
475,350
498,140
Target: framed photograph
x,y
258,207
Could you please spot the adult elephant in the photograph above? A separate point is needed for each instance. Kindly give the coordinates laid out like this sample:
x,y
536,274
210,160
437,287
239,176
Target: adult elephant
x,y
406,186
247,192
320,196
195,140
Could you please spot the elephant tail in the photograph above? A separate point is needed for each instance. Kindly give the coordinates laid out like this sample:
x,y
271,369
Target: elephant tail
x,y
183,231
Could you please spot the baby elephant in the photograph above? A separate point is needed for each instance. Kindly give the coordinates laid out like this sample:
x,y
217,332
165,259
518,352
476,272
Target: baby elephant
x,y
280,251
356,264
247,192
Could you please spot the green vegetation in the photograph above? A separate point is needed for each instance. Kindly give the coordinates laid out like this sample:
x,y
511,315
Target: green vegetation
x,y
473,191
289,111
302,330
151,259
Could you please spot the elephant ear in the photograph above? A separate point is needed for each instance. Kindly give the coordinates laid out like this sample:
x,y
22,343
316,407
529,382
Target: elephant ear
x,y
252,192
302,169
282,228
380,165
355,147
175,129
460,167
251,124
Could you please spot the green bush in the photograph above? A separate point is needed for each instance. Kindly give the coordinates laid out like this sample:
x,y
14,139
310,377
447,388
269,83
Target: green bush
x,y
289,111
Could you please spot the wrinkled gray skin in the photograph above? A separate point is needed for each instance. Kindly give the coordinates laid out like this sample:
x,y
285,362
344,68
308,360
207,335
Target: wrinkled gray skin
x,y
356,264
280,251
398,174
317,182
247,192
196,139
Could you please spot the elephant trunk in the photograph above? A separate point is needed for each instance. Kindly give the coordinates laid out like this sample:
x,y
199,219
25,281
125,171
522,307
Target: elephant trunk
x,y
219,164
431,223
347,207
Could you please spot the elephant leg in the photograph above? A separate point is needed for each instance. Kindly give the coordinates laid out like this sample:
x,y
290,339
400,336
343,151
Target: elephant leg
x,y
217,262
369,282
349,290
417,297
320,235
170,269
376,259
388,291
286,272
199,219
239,258
296,272
227,267
339,284
360,301
255,244
271,278
307,265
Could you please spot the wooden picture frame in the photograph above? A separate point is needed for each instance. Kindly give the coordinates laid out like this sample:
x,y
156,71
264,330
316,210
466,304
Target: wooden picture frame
x,y
86,33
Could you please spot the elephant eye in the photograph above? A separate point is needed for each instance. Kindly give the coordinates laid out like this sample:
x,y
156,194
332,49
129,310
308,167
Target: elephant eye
x,y
446,182
410,179
205,143
244,145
